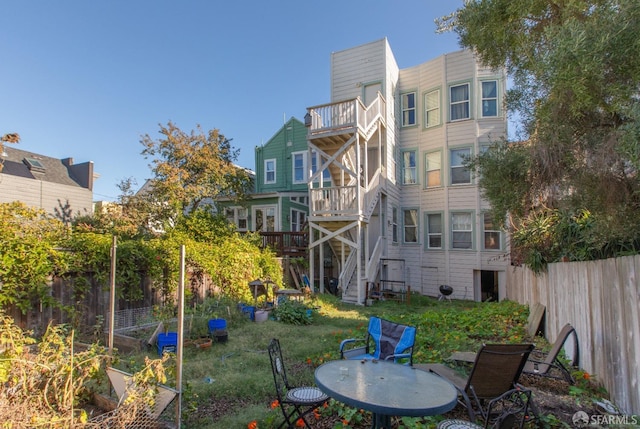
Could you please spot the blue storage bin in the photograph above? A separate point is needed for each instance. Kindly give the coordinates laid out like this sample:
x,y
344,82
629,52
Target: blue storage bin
x,y
167,343
249,311
217,324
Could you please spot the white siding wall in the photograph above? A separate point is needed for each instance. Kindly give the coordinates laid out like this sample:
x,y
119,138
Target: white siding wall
x,y
45,195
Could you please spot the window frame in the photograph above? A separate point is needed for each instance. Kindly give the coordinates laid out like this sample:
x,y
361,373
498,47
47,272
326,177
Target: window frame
x,y
316,160
394,225
457,232
427,170
297,217
459,166
466,101
497,233
303,156
428,109
273,171
495,99
429,234
405,226
409,109
413,169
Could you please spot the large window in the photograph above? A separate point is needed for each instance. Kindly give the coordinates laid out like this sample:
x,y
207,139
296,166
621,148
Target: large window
x,y
434,231
433,169
459,102
408,109
489,98
316,160
459,173
432,109
409,167
237,216
410,225
461,231
269,171
492,234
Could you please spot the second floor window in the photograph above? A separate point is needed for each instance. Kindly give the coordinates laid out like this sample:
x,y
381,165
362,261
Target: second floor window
x,y
269,171
433,169
410,226
459,102
316,160
459,173
489,98
432,109
408,109
409,166
298,219
299,167
237,216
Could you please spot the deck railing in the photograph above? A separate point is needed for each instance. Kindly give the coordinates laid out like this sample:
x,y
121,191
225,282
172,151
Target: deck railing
x,y
286,243
336,201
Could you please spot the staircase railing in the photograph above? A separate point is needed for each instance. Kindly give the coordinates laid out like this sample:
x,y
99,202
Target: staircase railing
x,y
374,260
348,270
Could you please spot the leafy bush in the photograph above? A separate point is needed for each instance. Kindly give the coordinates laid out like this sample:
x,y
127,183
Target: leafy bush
x,y
292,312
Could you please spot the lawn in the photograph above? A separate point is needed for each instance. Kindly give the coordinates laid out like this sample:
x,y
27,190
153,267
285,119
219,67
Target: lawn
x,y
230,384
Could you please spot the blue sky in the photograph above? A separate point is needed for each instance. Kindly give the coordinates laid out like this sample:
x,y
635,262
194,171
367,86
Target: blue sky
x,y
86,79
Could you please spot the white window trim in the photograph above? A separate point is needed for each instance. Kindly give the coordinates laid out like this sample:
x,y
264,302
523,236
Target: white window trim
x,y
451,166
429,233
266,171
414,169
469,231
305,168
485,231
416,226
394,225
427,170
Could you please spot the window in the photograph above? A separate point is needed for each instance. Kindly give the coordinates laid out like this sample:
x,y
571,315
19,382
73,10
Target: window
x,y
489,98
269,171
434,231
394,225
459,173
300,200
461,231
433,173
298,219
492,236
408,109
299,167
410,226
432,109
238,217
316,160
459,100
409,167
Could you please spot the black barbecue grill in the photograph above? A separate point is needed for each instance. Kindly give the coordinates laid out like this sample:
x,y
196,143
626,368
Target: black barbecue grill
x,y
445,292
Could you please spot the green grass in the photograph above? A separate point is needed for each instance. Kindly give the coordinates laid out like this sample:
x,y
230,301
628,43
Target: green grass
x,y
240,373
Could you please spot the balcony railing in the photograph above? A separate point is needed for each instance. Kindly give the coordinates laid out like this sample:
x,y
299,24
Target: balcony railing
x,y
336,201
284,243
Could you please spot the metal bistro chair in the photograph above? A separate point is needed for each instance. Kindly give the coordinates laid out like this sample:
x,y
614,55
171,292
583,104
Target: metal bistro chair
x,y
491,391
385,340
295,402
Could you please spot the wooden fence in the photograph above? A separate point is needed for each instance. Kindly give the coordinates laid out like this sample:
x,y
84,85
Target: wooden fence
x,y
601,299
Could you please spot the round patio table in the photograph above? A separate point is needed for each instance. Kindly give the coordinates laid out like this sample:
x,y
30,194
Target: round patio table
x,y
386,389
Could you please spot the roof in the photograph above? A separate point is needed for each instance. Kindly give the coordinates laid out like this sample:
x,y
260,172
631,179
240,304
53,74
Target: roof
x,y
30,165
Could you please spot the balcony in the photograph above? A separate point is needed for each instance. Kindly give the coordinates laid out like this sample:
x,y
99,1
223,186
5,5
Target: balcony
x,y
284,243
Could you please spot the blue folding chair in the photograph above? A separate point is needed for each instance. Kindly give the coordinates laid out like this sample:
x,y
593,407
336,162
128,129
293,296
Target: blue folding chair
x,y
385,340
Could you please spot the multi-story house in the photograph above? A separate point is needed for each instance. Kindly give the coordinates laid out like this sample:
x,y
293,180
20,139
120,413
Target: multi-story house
x,y
401,210
58,186
279,204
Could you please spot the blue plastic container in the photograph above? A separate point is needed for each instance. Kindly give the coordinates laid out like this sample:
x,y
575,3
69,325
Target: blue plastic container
x,y
217,324
250,311
167,342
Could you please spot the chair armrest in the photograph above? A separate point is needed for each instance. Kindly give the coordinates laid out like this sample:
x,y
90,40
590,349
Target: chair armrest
x,y
398,356
351,350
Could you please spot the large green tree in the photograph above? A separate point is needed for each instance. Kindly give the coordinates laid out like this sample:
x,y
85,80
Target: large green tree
x,y
192,168
575,73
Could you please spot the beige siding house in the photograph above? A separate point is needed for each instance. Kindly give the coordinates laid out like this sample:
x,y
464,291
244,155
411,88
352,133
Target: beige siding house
x,y
58,186
401,209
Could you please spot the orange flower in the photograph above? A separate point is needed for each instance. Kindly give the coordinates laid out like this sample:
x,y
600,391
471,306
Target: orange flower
x,y
316,414
308,361
300,423
586,376
252,425
345,422
275,404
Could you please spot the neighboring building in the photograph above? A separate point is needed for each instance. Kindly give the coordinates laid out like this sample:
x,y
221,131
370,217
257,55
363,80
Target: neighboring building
x,y
401,210
60,187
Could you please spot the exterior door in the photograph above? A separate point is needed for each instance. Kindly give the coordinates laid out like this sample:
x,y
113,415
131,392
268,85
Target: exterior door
x,y
265,218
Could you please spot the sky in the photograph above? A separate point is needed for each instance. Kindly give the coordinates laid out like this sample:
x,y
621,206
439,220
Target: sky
x,y
87,79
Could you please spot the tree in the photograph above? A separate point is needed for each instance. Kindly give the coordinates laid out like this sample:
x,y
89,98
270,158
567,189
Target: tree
x,y
7,138
576,82
190,169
